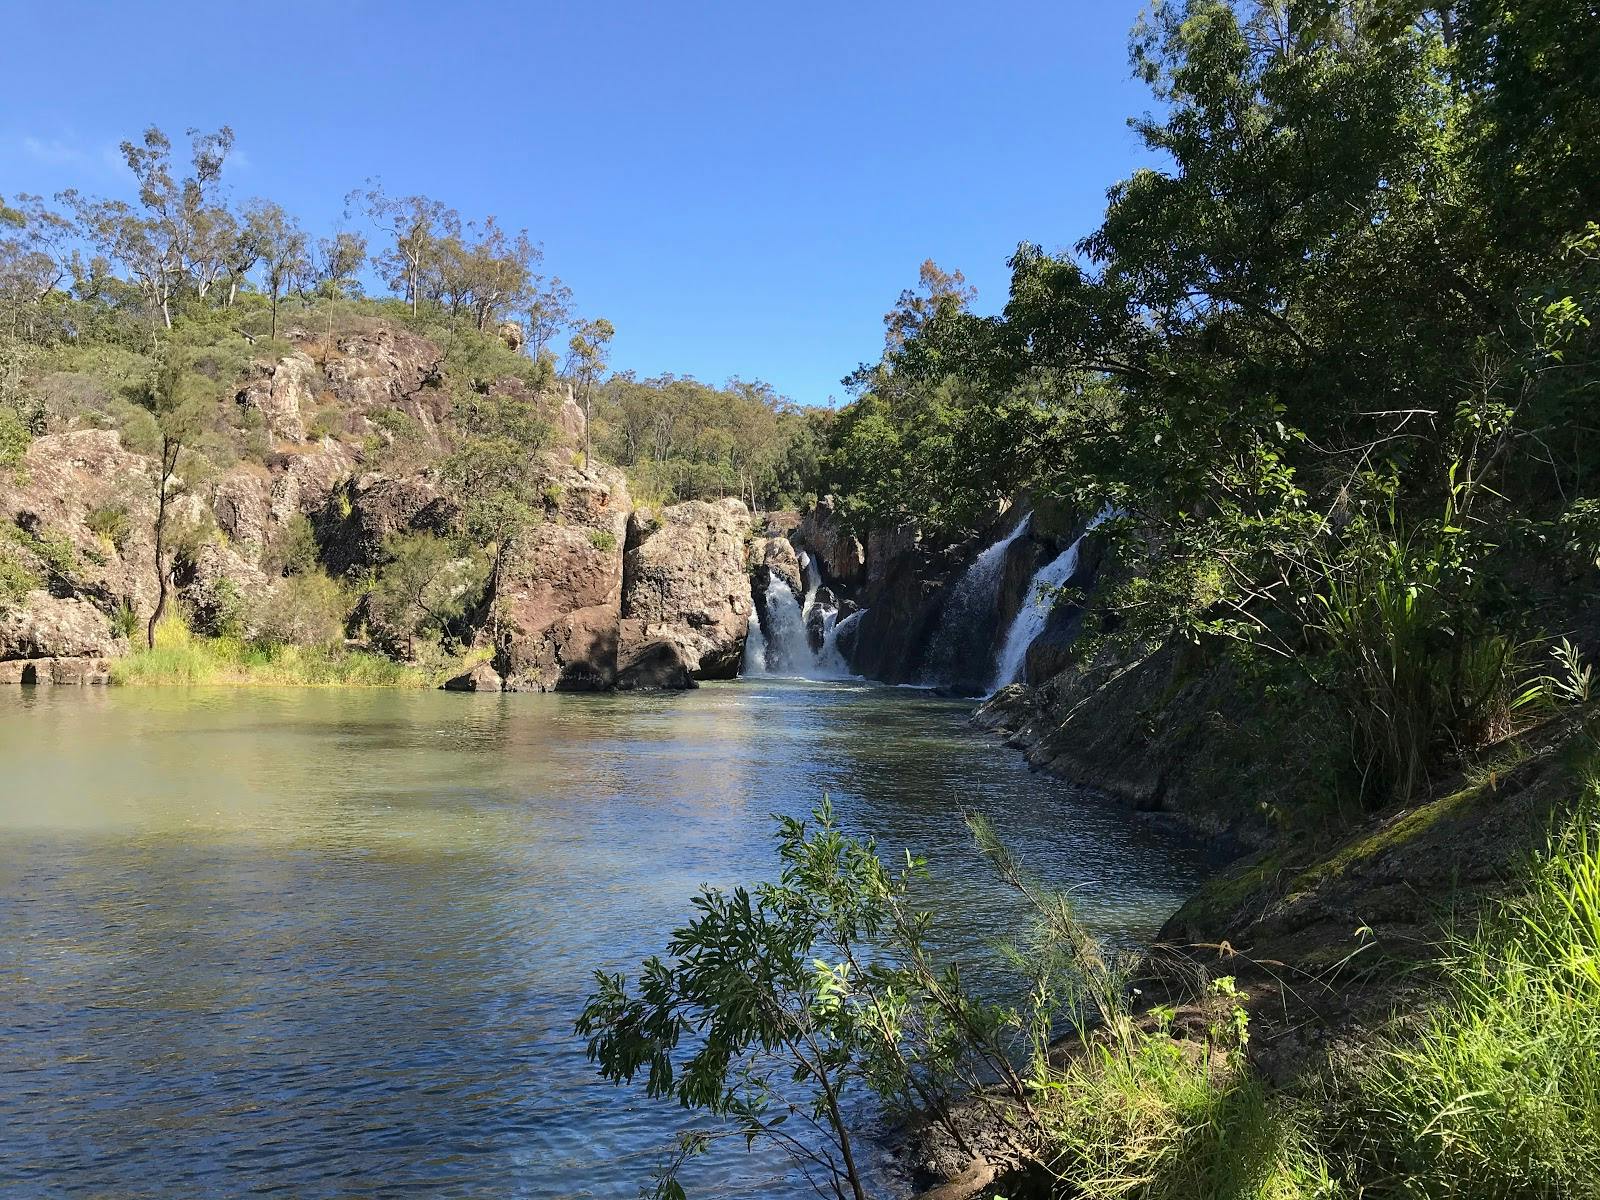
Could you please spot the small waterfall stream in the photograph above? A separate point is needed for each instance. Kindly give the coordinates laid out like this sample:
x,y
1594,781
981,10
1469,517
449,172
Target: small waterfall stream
x,y
966,627
1031,618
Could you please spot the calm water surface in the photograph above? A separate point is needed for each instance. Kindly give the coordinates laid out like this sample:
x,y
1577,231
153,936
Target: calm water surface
x,y
332,943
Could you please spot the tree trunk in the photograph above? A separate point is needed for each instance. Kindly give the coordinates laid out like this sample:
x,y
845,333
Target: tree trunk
x,y
169,455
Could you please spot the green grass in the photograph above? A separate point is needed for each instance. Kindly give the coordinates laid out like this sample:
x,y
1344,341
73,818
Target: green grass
x,y
1489,1091
181,657
1144,1116
1498,1093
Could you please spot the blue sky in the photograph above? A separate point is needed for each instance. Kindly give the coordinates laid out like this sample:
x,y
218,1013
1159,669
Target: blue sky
x,y
743,189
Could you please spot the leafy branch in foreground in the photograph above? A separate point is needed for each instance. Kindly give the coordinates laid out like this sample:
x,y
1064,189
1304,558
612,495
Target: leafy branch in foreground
x,y
781,1008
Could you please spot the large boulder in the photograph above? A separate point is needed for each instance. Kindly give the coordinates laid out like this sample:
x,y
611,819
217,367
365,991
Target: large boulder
x,y
840,555
559,600
283,393
46,626
359,515
481,678
658,664
685,581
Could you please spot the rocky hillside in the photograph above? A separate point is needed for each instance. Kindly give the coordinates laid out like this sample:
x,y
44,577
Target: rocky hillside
x,y
351,442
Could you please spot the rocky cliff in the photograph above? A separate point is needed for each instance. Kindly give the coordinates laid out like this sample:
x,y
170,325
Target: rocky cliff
x,y
332,449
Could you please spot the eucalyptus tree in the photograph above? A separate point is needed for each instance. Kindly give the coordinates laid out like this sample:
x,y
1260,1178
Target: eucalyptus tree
x,y
176,234
282,251
588,350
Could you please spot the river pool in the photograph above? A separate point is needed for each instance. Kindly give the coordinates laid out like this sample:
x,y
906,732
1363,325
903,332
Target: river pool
x,y
331,943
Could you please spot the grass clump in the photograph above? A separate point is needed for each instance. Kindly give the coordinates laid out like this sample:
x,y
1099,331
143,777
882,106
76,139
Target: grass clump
x,y
184,658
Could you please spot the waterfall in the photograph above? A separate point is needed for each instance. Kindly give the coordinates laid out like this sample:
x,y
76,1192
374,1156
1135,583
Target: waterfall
x,y
829,659
966,626
755,643
783,647
788,650
1030,620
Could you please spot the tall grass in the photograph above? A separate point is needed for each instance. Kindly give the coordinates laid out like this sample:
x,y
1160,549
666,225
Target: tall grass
x,y
180,657
1498,1093
1416,669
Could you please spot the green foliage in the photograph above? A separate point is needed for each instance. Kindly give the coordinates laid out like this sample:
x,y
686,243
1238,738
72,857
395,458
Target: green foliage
x,y
17,578
179,657
791,999
425,586
1139,1113
491,471
603,540
680,439
1416,666
306,610
109,521
1497,1093
293,549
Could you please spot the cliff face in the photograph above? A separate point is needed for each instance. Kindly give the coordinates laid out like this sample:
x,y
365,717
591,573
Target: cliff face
x,y
584,593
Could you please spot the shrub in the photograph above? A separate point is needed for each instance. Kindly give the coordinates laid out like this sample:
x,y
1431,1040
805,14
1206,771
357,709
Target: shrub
x,y
293,551
109,522
1416,667
306,610
17,579
603,540
125,620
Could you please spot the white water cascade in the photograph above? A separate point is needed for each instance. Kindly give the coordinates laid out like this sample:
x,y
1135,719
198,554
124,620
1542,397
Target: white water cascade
x,y
1037,604
784,647
968,613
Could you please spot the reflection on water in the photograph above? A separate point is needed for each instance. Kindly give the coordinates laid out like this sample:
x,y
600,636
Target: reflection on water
x,y
332,943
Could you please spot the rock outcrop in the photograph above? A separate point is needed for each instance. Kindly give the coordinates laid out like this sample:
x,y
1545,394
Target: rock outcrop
x,y
356,518
560,595
686,582
62,480
46,626
283,393
841,557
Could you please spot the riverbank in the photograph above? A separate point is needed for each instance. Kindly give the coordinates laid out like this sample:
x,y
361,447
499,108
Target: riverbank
x,y
1409,1001
182,658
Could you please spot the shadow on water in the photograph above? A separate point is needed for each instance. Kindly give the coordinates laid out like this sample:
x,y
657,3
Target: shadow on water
x,y
332,943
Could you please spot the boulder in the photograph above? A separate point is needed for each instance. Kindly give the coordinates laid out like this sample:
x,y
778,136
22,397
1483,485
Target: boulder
x,y
776,556
685,581
510,332
481,678
560,594
653,665
46,626
284,393
358,516
840,555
